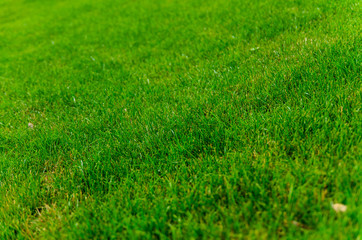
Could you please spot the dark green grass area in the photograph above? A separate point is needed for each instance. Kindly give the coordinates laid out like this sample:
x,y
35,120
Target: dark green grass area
x,y
190,119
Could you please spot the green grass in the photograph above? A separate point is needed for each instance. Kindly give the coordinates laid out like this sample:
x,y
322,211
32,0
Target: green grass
x,y
182,119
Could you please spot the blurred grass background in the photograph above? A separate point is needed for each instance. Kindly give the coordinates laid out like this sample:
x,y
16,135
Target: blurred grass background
x,y
180,119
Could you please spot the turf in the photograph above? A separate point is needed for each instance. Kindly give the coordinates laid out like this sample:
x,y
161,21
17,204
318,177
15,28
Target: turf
x,y
190,119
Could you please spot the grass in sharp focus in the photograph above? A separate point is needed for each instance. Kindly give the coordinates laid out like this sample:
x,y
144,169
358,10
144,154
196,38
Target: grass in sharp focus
x,y
180,119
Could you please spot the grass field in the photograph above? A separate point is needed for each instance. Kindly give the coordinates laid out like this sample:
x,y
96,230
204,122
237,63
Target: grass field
x,y
182,119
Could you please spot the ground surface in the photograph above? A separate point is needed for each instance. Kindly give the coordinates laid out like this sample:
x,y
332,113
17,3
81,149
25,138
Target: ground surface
x,y
180,119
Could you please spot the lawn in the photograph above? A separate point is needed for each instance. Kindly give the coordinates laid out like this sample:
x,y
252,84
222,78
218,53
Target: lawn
x,y
180,119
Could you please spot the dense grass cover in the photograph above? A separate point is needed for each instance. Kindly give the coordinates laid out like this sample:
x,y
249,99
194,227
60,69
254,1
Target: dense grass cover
x,y
182,119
